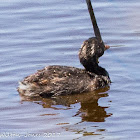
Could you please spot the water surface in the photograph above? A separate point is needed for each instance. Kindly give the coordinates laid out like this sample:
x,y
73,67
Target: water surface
x,y
34,34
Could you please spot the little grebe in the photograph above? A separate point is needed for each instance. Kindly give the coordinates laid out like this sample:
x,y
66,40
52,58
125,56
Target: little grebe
x,y
64,80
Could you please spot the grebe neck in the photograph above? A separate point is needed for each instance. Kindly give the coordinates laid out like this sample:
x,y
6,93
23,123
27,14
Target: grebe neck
x,y
95,68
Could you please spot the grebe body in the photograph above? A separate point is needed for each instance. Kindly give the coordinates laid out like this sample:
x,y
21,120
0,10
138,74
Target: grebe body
x,y
63,80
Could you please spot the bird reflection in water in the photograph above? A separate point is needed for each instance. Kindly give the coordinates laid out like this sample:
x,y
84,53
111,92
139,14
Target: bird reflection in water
x,y
89,111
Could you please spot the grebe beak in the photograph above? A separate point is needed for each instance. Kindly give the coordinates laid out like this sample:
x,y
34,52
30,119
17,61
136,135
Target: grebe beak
x,y
107,47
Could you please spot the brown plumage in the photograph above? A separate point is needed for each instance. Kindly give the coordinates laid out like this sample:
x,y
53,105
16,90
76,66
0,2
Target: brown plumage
x,y
61,80
64,80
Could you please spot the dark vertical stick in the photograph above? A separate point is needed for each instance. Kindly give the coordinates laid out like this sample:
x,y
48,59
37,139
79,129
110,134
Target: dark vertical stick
x,y
93,19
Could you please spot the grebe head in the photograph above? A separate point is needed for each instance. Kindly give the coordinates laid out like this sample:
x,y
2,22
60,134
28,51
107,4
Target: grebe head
x,y
89,53
93,48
